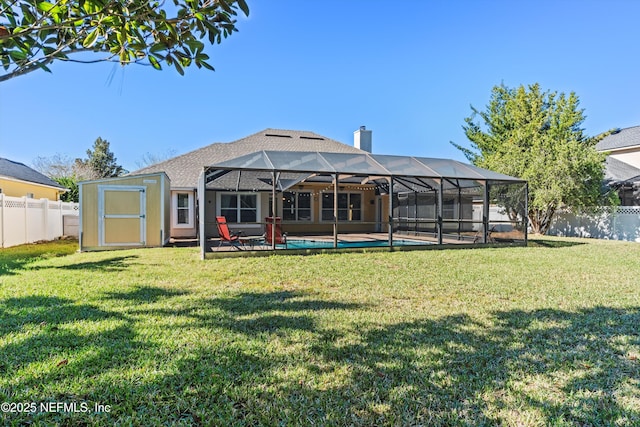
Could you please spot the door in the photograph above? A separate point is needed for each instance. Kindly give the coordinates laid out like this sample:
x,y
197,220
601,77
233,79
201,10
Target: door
x,y
122,215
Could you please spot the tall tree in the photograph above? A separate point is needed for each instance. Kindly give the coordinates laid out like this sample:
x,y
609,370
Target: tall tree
x,y
536,135
100,162
34,33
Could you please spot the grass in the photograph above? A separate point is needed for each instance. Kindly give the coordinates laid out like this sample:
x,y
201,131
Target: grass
x,y
536,336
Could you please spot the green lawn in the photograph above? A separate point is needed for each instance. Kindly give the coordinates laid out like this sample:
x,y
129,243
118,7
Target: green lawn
x,y
536,336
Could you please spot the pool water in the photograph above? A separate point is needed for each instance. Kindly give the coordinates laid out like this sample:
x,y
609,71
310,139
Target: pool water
x,y
323,244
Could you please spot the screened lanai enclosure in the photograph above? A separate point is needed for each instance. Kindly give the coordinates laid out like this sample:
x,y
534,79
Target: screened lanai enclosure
x,y
318,200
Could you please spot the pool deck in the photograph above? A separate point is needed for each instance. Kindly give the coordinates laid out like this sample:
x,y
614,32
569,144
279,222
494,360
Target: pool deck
x,y
257,244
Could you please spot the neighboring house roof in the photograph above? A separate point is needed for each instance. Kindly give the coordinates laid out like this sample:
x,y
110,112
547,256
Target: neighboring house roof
x,y
15,170
617,171
185,169
623,138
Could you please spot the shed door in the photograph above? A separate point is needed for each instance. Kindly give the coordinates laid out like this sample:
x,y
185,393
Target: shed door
x,y
122,214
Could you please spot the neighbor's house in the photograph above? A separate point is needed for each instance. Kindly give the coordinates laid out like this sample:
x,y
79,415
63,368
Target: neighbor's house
x,y
623,163
19,180
247,207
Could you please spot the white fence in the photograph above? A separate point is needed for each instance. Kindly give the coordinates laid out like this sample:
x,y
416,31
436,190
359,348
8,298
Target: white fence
x,y
621,223
24,220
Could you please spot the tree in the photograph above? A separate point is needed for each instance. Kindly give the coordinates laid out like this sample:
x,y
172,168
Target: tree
x,y
71,184
100,162
34,33
149,159
536,135
56,166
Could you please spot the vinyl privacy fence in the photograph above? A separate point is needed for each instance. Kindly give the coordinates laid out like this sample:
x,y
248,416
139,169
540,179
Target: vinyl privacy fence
x,y
24,220
619,223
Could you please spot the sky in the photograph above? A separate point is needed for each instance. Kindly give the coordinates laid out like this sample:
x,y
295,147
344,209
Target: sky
x,y
409,70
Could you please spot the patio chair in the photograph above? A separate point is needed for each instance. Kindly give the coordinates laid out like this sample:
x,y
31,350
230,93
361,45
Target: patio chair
x,y
226,235
280,237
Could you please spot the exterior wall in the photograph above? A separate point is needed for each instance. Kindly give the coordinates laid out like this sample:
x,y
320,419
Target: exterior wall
x,y
21,188
157,210
315,226
631,157
184,230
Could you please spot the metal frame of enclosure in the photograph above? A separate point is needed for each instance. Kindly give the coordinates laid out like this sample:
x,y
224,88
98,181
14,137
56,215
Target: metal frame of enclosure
x,y
446,200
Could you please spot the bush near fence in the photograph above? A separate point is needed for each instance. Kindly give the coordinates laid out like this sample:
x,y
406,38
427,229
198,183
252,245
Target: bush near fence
x,y
24,220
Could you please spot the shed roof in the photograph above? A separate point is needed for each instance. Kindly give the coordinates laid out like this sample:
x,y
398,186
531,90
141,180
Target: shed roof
x,y
22,172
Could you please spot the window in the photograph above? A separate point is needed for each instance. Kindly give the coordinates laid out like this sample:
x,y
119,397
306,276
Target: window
x,y
183,208
239,207
183,211
296,206
349,206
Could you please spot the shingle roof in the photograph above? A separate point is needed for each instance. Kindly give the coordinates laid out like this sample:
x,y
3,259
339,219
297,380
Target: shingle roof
x,y
16,170
617,171
628,137
185,169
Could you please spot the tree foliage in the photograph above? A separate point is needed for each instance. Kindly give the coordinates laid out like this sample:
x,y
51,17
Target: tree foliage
x,y
71,184
34,33
536,135
100,162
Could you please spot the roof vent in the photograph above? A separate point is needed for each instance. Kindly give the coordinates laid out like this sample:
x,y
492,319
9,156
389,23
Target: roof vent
x,y
317,138
277,136
616,130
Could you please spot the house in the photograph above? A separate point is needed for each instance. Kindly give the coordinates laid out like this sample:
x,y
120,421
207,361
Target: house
x,y
19,180
622,167
184,170
324,187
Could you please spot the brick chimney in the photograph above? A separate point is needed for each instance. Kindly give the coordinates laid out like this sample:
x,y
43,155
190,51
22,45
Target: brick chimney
x,y
362,139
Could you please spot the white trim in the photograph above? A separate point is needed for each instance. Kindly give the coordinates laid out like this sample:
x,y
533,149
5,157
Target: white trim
x,y
190,210
142,215
120,178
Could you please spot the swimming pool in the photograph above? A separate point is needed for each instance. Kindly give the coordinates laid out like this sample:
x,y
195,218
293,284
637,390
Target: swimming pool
x,y
324,244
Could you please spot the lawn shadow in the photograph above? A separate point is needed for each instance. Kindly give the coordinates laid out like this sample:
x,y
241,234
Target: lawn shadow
x,y
253,313
545,243
19,257
456,371
275,358
143,294
116,263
